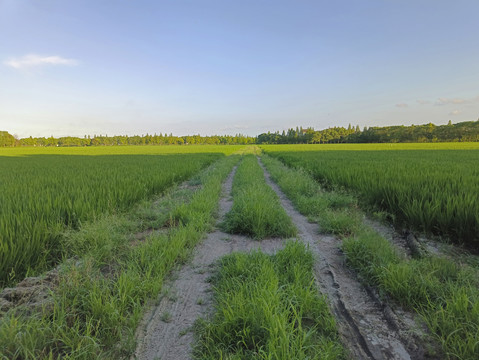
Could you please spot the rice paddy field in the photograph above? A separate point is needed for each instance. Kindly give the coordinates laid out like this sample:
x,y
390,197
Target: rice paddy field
x,y
105,231
45,190
433,188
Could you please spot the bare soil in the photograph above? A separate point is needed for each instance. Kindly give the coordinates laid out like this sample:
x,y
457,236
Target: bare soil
x,y
31,295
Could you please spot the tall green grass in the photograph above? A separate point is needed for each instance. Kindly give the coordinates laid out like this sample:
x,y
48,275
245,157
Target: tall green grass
x,y
256,209
100,299
268,307
434,191
43,193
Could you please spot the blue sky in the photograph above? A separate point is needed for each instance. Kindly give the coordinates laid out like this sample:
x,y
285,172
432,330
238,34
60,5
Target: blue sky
x,y
224,67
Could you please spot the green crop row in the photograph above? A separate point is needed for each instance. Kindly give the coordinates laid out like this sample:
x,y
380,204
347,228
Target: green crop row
x,y
433,191
47,191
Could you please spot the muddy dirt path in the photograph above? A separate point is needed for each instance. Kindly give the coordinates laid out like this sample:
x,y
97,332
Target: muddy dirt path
x,y
166,331
370,329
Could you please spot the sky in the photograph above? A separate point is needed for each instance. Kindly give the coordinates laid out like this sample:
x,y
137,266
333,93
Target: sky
x,y
124,67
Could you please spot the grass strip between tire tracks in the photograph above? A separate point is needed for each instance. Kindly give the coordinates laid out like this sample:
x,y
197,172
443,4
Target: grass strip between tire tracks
x,y
443,292
256,210
99,300
268,307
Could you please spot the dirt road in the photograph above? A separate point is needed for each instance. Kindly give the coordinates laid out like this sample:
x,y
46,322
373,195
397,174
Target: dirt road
x,y
369,329
166,331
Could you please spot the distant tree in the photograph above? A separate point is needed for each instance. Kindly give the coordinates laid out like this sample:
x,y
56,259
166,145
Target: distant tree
x,y
27,141
6,139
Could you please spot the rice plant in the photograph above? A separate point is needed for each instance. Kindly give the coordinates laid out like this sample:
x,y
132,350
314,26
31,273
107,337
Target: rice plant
x,y
46,191
434,191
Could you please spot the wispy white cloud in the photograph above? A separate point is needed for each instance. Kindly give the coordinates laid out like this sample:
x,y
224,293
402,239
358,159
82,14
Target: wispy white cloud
x,y
32,60
449,101
455,112
423,102
455,101
402,105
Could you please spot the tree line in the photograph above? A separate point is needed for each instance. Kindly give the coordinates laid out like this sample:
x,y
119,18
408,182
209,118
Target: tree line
x,y
162,139
463,131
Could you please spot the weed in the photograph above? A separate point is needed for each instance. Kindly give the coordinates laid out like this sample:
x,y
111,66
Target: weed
x,y
443,292
171,295
166,317
184,332
340,222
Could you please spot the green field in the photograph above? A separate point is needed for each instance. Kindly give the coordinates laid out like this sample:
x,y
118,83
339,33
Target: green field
x,y
45,190
428,187
117,212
